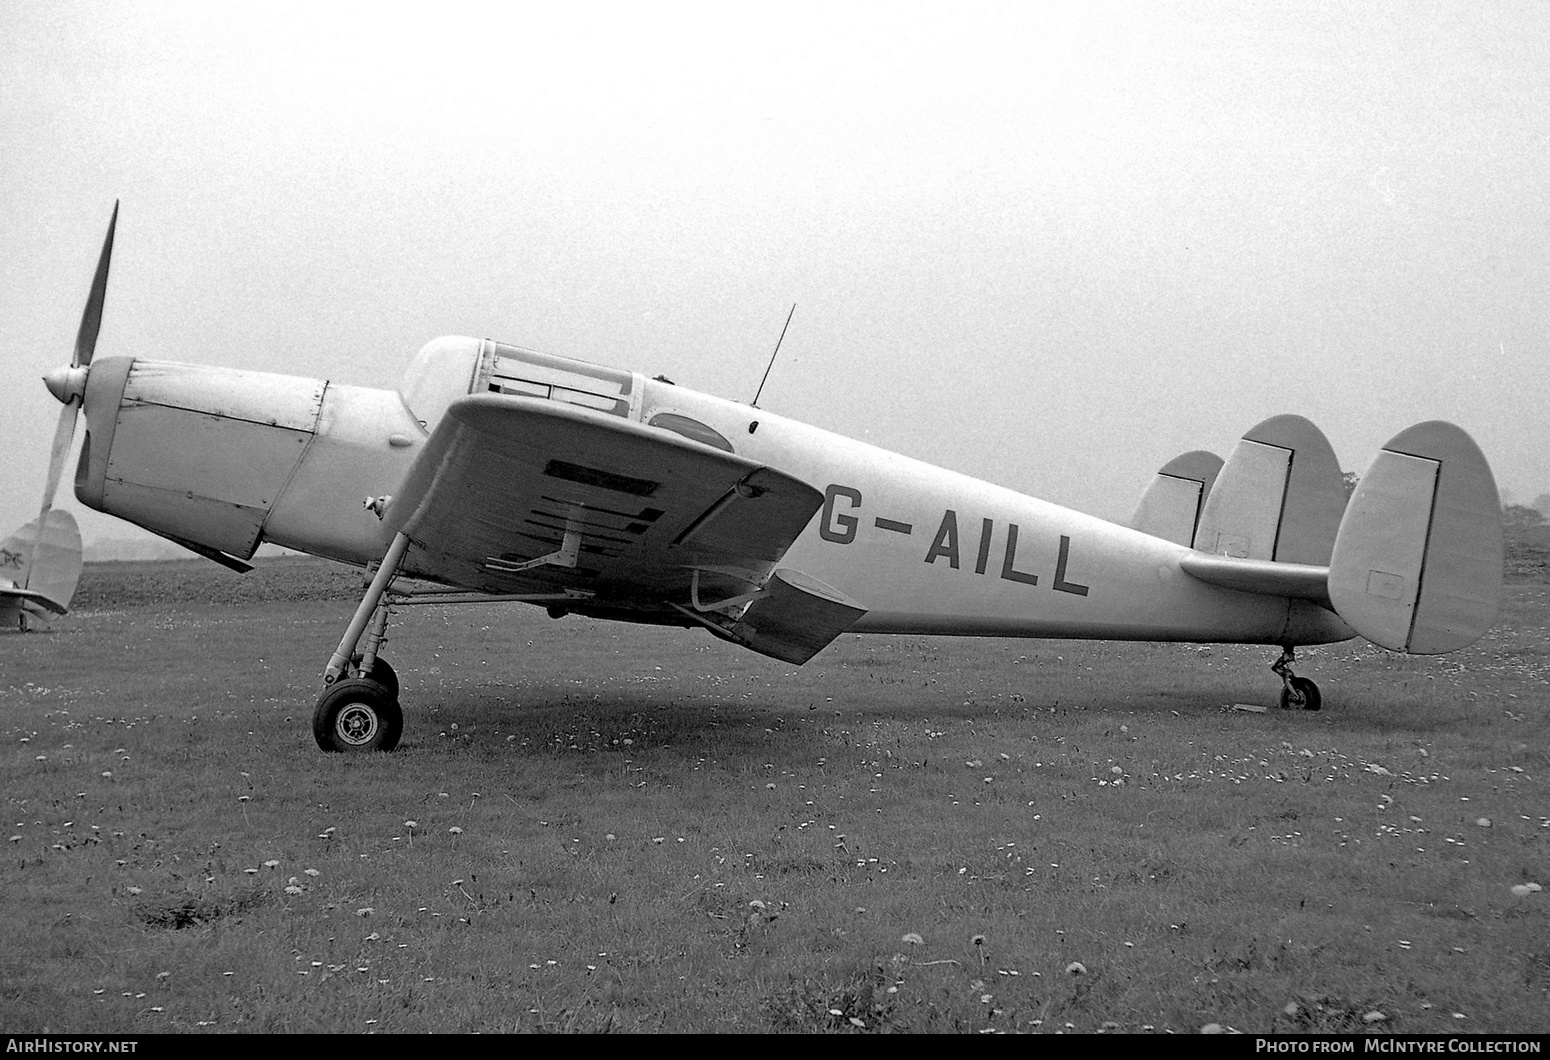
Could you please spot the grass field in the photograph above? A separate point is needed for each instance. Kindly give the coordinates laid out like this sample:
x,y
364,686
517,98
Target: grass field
x,y
592,826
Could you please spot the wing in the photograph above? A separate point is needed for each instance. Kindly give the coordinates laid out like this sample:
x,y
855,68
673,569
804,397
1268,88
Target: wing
x,y
516,495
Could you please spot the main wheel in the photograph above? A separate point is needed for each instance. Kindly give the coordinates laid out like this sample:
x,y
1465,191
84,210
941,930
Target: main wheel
x,y
1302,695
357,714
381,673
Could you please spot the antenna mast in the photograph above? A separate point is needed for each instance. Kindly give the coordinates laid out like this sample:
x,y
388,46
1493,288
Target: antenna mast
x,y
778,341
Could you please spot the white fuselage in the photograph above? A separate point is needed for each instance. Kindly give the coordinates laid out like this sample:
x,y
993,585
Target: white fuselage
x,y
922,549
928,550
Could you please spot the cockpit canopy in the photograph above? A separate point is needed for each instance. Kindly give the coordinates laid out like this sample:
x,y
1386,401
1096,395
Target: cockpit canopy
x,y
450,368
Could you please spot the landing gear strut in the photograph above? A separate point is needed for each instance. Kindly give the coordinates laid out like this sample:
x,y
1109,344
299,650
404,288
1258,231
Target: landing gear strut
x,y
1297,693
359,710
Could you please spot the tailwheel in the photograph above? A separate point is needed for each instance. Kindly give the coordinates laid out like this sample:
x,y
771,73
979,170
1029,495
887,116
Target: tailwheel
x,y
1297,693
1301,694
357,714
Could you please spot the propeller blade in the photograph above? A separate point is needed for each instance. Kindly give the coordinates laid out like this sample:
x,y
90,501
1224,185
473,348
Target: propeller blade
x,y
64,434
91,316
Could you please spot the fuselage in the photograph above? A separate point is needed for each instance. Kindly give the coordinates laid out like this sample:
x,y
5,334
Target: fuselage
x,y
227,459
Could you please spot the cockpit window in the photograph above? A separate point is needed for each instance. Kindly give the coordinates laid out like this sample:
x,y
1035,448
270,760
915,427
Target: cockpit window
x,y
527,373
690,428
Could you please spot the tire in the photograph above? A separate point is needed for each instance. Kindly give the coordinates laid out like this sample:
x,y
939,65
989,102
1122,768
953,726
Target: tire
x,y
381,673
1302,695
357,715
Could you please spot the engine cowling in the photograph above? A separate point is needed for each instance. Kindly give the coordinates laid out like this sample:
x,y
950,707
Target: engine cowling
x,y
225,458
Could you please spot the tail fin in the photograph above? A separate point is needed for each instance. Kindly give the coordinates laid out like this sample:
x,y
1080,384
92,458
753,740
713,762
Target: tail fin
x,y
1279,497
1171,506
39,570
1417,565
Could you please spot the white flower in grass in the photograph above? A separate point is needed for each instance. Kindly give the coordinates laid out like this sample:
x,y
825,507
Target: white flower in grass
x,y
293,889
271,863
912,939
310,872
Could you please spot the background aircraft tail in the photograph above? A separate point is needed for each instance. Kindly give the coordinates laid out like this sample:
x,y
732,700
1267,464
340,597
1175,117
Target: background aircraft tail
x,y
1413,562
39,570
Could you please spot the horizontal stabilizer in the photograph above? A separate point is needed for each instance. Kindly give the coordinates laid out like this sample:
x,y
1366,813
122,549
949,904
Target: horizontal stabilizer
x,y
1299,581
1417,565
1170,508
1280,497
42,568
795,618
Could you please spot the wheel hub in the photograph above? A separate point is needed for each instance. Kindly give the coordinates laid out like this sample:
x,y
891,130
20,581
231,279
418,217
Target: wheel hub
x,y
356,724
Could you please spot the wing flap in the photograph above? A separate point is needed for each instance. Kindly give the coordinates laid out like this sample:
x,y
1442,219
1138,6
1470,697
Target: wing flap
x,y
792,619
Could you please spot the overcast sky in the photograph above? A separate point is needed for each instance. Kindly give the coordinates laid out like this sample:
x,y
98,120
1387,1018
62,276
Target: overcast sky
x,y
1048,245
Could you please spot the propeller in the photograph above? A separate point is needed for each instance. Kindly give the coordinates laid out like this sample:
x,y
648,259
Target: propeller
x,y
69,384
